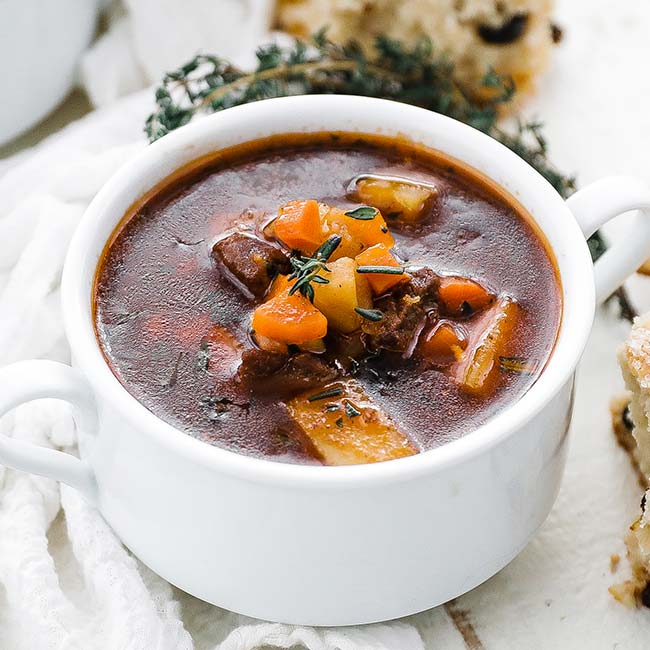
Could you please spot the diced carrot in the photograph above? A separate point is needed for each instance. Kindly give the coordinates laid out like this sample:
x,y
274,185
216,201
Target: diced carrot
x,y
462,296
379,255
298,226
280,284
363,232
289,319
444,343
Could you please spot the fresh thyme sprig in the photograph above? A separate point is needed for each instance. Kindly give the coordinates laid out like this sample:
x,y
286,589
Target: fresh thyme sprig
x,y
388,270
364,213
415,75
306,269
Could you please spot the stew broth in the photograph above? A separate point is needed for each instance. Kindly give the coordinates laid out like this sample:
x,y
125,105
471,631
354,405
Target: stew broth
x,y
174,320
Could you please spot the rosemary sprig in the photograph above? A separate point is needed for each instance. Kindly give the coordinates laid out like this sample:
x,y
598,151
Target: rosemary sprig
x,y
306,269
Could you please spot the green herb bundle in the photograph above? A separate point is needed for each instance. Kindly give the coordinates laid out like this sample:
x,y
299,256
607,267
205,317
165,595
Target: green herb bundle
x,y
414,75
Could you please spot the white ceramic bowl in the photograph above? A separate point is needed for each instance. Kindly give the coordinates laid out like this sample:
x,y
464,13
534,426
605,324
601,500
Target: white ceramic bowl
x,y
40,45
324,545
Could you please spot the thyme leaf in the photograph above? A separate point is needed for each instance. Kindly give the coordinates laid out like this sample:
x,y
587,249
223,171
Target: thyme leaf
x,y
351,410
364,213
374,315
388,270
336,391
306,269
519,365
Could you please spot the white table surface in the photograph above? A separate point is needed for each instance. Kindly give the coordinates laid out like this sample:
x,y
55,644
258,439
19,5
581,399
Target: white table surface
x,y
594,102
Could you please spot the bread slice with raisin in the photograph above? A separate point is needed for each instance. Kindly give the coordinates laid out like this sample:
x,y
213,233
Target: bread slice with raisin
x,y
634,417
513,37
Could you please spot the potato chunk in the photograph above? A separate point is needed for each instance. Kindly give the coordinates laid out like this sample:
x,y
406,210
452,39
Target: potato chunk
x,y
345,291
478,372
346,428
406,200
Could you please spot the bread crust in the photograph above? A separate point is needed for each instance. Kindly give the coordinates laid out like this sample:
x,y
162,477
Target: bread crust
x,y
514,37
634,360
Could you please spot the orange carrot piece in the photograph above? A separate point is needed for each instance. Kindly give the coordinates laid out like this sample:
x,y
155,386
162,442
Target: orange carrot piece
x,y
289,319
364,232
444,343
298,226
379,255
462,295
279,285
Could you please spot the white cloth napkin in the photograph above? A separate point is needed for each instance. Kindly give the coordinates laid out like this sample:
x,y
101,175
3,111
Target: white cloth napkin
x,y
147,38
67,582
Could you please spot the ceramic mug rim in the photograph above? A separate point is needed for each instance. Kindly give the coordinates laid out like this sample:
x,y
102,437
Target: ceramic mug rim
x,y
333,113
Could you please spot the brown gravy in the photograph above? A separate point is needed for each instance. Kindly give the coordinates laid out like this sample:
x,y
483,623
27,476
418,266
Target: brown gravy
x,y
158,293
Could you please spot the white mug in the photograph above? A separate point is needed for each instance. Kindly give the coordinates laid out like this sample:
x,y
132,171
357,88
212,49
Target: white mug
x,y
325,545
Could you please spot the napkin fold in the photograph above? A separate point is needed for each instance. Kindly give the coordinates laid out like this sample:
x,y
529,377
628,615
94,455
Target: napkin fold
x,y
147,38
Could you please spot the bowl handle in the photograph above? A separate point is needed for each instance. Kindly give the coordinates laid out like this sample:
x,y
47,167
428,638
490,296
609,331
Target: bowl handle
x,y
601,201
29,380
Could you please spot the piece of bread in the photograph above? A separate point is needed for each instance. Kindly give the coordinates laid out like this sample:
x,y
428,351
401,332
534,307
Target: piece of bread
x,y
513,37
636,590
623,427
635,364
634,359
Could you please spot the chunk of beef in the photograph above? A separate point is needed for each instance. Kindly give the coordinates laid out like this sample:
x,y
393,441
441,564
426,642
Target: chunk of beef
x,y
251,261
271,372
404,314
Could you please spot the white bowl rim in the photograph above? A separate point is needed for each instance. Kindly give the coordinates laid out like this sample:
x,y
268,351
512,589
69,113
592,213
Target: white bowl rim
x,y
577,288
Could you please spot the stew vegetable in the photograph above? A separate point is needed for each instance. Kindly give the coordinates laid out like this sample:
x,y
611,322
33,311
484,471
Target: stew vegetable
x,y
327,298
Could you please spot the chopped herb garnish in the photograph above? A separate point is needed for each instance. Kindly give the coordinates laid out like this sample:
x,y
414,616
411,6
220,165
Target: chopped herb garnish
x,y
351,411
215,406
390,270
339,423
365,213
203,357
369,314
336,391
306,269
332,407
518,364
326,249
